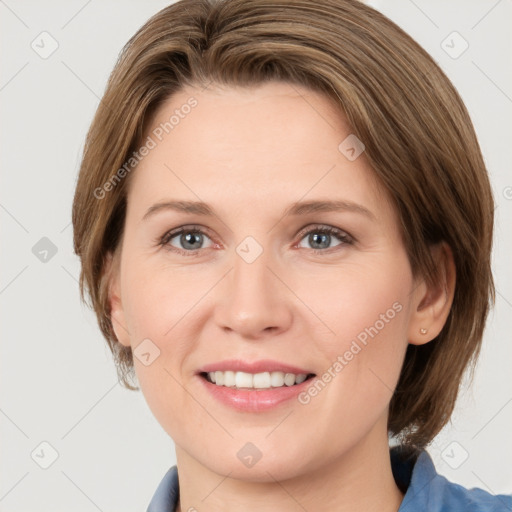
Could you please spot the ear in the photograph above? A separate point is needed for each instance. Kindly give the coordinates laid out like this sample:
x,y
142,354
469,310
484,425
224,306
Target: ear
x,y
432,303
117,316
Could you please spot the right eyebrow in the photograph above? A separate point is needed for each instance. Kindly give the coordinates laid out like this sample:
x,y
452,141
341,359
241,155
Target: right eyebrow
x,y
195,207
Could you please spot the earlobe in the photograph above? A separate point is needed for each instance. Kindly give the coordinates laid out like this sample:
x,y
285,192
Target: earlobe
x,y
117,316
432,302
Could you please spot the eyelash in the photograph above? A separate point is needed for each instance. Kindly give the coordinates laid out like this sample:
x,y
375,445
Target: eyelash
x,y
343,236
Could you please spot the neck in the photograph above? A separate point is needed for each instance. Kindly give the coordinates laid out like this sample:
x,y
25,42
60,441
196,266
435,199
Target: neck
x,y
360,479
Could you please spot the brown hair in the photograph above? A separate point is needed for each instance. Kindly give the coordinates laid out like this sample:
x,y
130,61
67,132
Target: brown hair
x,y
418,135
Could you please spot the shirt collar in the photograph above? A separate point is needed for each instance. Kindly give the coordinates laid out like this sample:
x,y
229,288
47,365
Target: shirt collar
x,y
414,473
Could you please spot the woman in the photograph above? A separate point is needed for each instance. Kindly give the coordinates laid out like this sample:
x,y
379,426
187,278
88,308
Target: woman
x,y
285,225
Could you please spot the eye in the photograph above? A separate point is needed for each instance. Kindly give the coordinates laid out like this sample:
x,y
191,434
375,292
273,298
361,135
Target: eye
x,y
189,240
320,237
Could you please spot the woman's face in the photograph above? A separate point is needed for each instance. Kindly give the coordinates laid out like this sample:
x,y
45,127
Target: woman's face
x,y
255,284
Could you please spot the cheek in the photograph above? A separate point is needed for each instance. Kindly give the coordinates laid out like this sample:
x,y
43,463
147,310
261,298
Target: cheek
x,y
157,299
361,304
160,305
369,314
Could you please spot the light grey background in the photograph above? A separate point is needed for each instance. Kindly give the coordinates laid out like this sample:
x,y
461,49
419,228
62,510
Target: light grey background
x,y
57,379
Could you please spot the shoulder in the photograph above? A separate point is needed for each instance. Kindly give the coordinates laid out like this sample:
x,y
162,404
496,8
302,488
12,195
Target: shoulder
x,y
166,495
427,490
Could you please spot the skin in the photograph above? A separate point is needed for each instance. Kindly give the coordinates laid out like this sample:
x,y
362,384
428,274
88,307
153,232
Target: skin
x,y
250,153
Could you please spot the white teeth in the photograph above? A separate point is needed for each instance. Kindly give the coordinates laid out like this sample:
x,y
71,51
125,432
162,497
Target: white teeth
x,y
264,380
277,379
261,380
243,380
300,378
229,379
289,379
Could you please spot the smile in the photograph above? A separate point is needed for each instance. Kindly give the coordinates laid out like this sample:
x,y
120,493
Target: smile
x,y
254,386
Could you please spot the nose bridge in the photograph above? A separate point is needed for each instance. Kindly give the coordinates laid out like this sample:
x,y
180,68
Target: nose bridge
x,y
250,271
254,298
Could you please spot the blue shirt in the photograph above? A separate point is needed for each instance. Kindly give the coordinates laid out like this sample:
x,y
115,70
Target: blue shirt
x,y
415,475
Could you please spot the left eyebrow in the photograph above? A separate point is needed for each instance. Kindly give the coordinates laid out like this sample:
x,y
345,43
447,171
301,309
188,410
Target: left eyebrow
x,y
307,207
298,208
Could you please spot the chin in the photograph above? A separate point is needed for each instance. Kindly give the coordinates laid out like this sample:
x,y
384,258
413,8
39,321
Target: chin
x,y
263,471
257,461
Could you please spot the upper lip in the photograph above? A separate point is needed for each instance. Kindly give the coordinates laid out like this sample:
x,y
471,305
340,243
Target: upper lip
x,y
263,365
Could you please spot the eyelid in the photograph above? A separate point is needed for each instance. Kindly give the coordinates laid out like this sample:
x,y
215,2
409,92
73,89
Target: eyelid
x,y
341,233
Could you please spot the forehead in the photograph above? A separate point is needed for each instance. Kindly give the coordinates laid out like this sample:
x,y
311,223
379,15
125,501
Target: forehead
x,y
276,141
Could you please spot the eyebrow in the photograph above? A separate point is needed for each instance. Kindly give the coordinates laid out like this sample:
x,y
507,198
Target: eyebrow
x,y
298,208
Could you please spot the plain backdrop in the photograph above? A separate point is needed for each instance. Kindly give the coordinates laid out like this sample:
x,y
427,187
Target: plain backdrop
x,y
58,386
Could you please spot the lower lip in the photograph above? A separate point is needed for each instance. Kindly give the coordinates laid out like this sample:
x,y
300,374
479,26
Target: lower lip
x,y
254,400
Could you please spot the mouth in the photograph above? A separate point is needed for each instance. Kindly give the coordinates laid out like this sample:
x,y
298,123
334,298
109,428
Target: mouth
x,y
255,381
255,386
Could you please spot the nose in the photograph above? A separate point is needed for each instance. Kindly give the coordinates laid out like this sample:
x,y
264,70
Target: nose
x,y
253,301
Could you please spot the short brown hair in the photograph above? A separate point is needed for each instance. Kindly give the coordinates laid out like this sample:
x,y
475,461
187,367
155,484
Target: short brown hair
x,y
418,136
